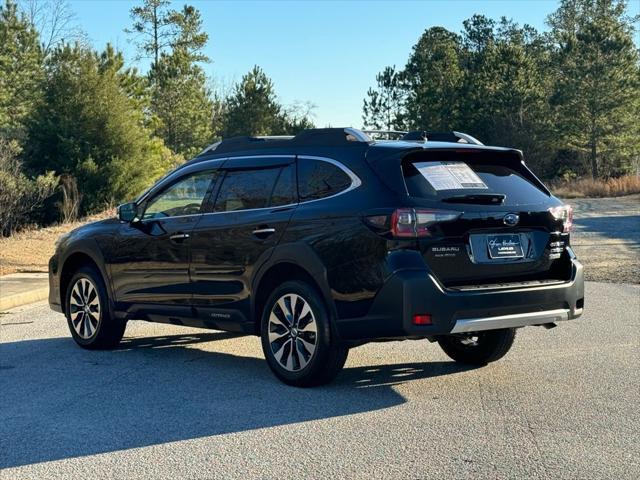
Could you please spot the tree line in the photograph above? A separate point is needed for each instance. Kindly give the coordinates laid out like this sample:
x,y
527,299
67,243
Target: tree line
x,y
80,131
568,97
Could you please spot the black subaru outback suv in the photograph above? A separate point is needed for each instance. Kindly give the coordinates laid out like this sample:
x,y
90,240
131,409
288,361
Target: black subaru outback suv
x,y
328,240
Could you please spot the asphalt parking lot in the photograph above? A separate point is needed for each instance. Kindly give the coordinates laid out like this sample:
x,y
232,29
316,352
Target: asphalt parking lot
x,y
175,402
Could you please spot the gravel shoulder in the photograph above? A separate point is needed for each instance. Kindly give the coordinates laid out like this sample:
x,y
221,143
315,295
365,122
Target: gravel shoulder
x,y
606,238
29,251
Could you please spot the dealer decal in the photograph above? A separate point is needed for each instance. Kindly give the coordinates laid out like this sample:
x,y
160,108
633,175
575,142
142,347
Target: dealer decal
x,y
449,175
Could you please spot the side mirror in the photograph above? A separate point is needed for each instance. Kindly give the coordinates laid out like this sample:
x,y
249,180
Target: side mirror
x,y
127,212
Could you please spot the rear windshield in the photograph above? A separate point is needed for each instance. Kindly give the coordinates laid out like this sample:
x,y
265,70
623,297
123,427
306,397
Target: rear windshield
x,y
448,175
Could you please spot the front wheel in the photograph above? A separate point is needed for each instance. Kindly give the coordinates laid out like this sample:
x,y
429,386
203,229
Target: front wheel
x,y
478,348
296,337
88,312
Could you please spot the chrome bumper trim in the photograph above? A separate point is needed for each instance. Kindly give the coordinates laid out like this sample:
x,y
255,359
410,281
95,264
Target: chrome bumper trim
x,y
509,321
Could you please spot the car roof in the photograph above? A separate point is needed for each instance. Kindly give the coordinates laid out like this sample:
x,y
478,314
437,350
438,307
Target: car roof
x,y
342,141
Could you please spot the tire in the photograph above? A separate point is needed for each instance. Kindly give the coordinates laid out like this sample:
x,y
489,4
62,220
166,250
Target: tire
x,y
302,354
93,327
478,348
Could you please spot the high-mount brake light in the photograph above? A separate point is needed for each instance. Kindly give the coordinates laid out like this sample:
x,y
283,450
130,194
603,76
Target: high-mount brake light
x,y
416,222
564,213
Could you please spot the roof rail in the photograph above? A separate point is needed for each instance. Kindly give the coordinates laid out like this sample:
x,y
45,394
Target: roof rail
x,y
359,135
265,138
387,134
210,148
468,138
454,137
333,137
312,136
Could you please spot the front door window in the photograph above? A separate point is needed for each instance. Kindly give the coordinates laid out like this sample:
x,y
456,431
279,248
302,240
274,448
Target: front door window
x,y
184,197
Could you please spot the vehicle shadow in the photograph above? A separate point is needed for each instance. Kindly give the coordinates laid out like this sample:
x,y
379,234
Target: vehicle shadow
x,y
624,227
58,401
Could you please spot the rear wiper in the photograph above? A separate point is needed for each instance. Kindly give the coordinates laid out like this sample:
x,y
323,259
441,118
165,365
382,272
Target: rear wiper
x,y
482,198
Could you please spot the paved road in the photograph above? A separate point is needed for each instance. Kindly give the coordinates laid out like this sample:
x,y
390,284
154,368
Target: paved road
x,y
184,403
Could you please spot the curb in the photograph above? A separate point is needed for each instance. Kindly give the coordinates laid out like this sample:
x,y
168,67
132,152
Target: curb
x,y
24,298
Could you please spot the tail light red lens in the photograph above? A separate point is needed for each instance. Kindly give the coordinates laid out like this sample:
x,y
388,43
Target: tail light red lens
x,y
416,222
564,213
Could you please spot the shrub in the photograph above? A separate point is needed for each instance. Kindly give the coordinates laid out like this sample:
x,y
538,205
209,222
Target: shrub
x,y
587,187
20,196
88,126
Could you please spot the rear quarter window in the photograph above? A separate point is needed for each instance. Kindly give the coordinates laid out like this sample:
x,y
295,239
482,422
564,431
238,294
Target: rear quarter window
x,y
318,179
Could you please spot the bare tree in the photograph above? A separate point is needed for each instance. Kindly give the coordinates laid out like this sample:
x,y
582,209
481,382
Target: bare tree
x,y
69,205
54,20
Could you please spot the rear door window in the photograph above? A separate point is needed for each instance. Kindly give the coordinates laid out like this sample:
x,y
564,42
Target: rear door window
x,y
285,188
246,189
318,179
444,177
256,188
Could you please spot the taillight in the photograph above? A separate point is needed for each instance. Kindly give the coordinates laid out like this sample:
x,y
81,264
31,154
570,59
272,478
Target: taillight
x,y
417,222
403,223
565,214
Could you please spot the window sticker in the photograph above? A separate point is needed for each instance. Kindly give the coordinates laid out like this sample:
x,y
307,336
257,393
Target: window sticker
x,y
449,175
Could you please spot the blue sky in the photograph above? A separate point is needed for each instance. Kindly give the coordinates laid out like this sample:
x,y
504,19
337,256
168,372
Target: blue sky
x,y
326,53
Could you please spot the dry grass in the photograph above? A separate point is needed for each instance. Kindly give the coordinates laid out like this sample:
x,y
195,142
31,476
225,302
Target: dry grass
x,y
30,249
587,187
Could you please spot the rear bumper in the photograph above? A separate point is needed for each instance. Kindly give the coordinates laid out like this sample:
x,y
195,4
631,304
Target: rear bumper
x,y
410,292
510,321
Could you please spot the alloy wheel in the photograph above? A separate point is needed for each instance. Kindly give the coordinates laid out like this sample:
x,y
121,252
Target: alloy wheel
x,y
84,308
293,332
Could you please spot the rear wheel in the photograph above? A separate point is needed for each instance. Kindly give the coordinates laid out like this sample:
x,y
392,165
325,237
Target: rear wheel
x,y
88,313
478,348
296,337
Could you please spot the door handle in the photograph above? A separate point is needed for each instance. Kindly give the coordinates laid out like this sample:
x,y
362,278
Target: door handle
x,y
264,232
179,237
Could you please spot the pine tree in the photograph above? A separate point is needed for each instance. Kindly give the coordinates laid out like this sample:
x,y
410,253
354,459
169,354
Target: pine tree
x,y
433,77
597,83
506,85
181,104
89,128
252,108
384,106
152,28
21,71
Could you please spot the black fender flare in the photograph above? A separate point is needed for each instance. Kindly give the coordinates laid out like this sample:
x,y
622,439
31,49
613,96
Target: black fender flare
x,y
90,248
303,256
